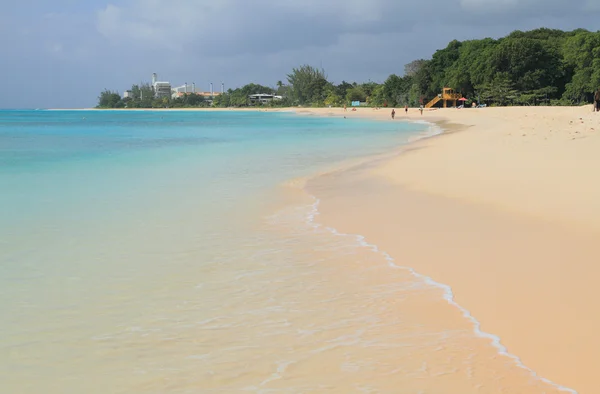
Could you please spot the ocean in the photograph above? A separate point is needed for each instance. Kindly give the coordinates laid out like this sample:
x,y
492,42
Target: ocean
x,y
125,237
177,252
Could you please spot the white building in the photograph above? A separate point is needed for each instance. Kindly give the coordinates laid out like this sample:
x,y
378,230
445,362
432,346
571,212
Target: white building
x,y
179,91
185,88
127,94
263,98
161,89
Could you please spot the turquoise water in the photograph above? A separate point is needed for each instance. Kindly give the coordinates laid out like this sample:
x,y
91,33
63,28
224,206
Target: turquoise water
x,y
110,219
55,166
166,252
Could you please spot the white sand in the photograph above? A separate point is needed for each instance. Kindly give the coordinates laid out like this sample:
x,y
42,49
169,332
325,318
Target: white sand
x,y
506,210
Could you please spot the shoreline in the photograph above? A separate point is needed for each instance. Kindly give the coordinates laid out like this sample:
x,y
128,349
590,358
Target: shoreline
x,y
211,109
448,295
417,185
584,125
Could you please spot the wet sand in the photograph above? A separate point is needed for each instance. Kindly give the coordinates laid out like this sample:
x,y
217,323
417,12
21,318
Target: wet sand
x,y
504,209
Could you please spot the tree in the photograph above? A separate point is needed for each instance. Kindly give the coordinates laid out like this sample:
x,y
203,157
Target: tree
x,y
396,90
110,99
531,63
527,68
499,91
307,85
356,94
142,96
223,100
377,98
581,57
342,89
413,68
368,88
441,61
239,97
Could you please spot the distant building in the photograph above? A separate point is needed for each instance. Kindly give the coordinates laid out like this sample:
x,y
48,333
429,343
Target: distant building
x,y
127,94
209,94
262,98
206,95
185,88
161,89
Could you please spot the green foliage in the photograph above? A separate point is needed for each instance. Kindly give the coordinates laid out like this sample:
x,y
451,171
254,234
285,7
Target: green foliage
x,y
342,89
239,97
537,67
331,96
368,88
308,85
398,91
541,66
356,94
189,101
414,67
377,98
499,91
109,99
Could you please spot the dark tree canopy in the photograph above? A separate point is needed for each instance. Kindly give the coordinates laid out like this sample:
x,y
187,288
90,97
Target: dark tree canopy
x,y
541,66
308,85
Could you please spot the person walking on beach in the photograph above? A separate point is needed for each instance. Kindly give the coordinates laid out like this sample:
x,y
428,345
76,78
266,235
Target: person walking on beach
x,y
406,109
345,108
421,109
393,113
597,101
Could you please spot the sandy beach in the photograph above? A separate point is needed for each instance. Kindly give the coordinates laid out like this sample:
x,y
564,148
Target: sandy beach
x,y
502,207
459,263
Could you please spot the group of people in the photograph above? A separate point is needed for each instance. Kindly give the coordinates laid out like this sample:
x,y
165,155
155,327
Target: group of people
x,y
393,110
405,111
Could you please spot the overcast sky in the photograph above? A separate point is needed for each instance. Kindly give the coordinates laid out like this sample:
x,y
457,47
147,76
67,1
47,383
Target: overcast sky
x,y
62,53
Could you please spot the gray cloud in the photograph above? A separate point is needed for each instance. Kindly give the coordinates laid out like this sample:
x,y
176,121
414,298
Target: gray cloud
x,y
63,53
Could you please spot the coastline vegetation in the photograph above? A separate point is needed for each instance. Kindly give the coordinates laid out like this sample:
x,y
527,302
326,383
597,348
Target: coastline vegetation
x,y
537,67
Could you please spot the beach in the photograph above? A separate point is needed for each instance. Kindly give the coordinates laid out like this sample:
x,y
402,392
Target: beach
x,y
300,250
165,251
502,208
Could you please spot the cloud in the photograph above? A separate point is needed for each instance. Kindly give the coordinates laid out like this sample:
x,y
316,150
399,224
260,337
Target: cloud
x,y
592,5
233,27
114,43
229,27
522,10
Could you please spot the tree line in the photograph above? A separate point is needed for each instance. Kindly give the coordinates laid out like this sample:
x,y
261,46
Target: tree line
x,y
142,96
537,67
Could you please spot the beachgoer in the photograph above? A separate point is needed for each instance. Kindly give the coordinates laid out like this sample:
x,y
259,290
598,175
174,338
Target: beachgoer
x,y
597,101
406,109
345,108
393,113
421,109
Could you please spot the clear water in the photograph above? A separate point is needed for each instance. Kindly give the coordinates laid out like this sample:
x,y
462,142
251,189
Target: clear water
x,y
104,212
60,169
157,252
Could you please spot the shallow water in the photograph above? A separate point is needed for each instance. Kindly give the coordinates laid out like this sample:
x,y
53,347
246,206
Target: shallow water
x,y
158,252
112,221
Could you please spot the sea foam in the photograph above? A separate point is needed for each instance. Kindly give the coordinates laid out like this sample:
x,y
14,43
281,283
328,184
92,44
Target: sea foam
x,y
361,241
